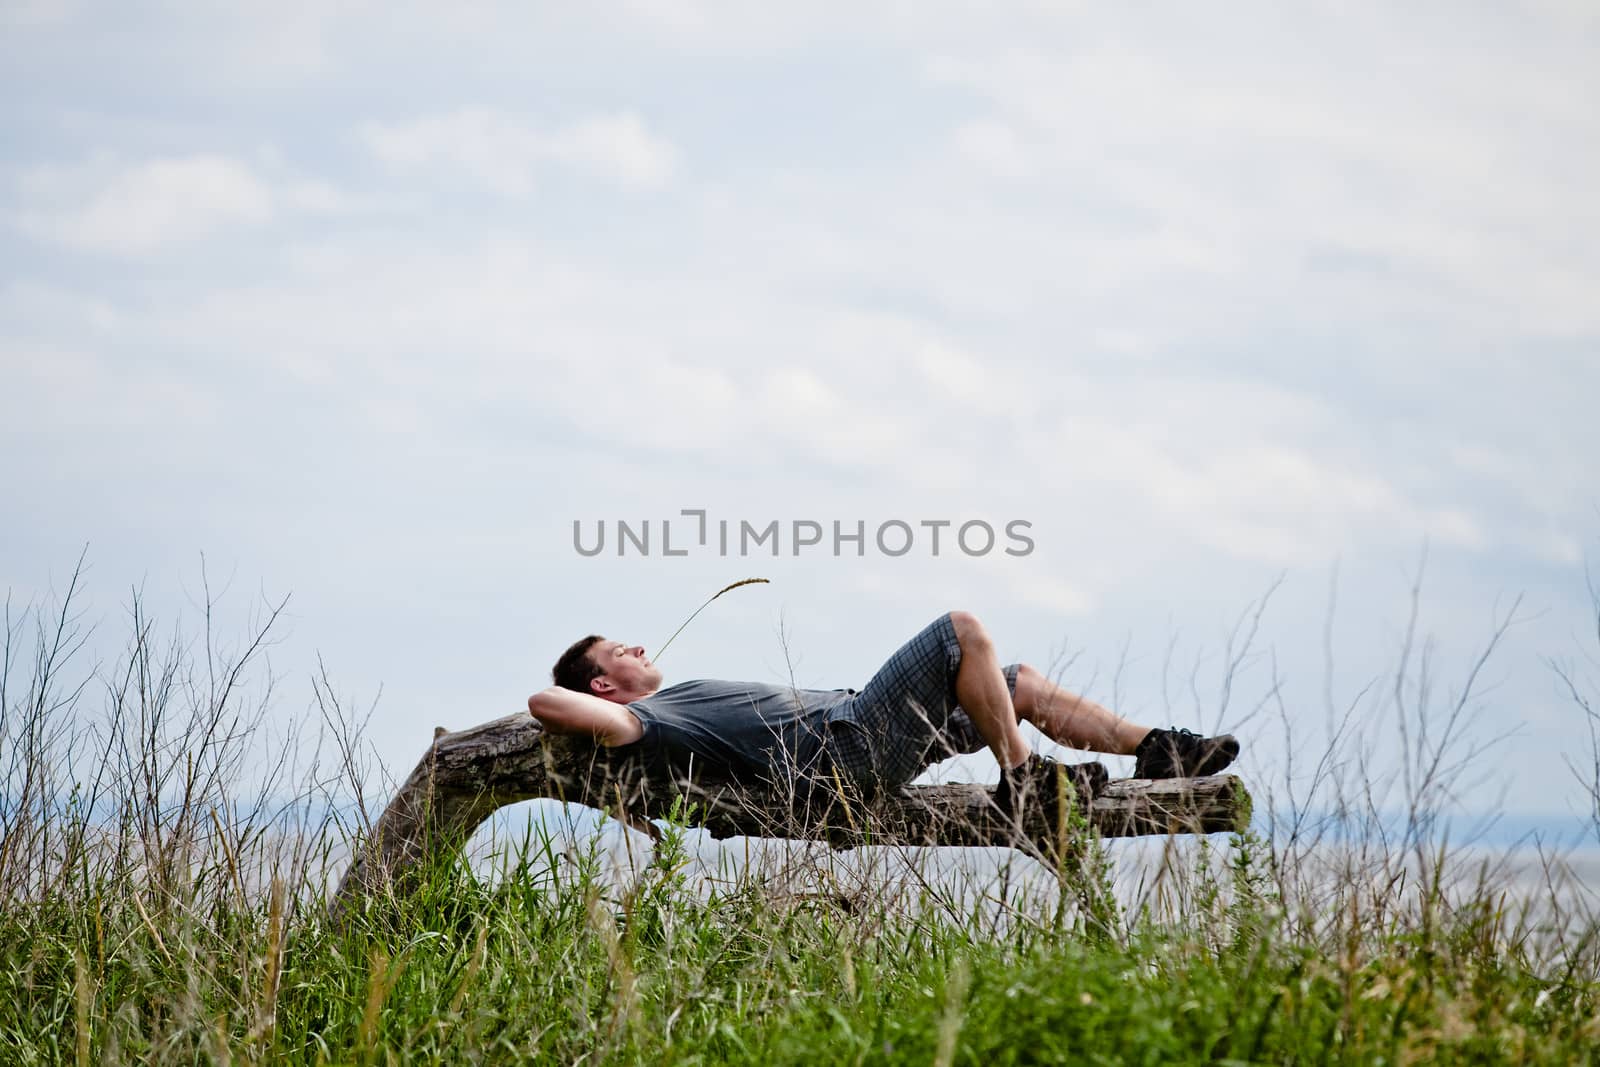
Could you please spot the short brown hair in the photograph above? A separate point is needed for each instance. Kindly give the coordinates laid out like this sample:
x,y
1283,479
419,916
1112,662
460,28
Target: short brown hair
x,y
575,669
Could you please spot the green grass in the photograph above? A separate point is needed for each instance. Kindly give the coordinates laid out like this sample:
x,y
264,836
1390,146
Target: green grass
x,y
147,917
544,970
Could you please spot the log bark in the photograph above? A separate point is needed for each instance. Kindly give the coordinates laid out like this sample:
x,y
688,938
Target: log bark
x,y
466,775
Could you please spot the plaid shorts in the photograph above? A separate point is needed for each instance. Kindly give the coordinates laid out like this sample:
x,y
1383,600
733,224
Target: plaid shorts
x,y
906,718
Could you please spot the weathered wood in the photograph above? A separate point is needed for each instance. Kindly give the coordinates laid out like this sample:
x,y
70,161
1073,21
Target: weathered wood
x,y
467,774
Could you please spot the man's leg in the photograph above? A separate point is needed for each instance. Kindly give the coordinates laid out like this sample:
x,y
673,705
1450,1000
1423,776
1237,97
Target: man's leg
x,y
1072,720
982,692
944,691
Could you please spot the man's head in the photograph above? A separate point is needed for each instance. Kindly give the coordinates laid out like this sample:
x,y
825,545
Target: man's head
x,y
607,669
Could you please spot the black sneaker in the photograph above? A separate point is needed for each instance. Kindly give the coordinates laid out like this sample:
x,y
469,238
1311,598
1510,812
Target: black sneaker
x,y
1182,754
1038,777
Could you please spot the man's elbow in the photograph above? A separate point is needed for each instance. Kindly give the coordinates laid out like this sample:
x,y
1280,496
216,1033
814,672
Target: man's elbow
x,y
542,705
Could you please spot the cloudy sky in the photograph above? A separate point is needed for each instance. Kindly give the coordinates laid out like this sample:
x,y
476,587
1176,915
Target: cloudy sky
x,y
369,303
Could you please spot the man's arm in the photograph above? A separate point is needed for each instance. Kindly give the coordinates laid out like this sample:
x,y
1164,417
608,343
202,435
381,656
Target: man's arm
x,y
565,711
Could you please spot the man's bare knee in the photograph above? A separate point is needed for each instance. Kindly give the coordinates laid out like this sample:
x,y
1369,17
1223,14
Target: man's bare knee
x,y
969,631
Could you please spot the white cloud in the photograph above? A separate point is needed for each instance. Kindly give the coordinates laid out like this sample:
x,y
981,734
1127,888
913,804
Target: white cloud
x,y
497,151
1252,471
1268,159
1279,504
995,147
963,381
29,305
1046,591
30,13
53,389
617,147
316,198
141,207
504,153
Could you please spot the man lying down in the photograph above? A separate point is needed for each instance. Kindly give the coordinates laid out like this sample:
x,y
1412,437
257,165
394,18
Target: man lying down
x,y
943,692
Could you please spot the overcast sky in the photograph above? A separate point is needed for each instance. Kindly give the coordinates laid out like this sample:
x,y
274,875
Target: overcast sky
x,y
368,303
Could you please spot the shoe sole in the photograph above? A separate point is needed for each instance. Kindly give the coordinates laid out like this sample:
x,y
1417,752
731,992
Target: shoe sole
x,y
1223,752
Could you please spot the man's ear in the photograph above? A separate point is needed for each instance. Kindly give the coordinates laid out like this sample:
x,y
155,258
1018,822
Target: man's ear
x,y
601,684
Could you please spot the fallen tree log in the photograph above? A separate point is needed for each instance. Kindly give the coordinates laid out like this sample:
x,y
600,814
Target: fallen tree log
x,y
467,775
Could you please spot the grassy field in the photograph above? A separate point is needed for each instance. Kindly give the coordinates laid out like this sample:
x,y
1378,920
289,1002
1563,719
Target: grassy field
x,y
556,964
152,912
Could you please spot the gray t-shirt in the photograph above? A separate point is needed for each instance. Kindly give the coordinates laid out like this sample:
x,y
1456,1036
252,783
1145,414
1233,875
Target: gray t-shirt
x,y
750,728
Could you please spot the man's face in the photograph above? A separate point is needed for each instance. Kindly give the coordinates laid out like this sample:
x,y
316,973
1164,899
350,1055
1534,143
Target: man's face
x,y
626,672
